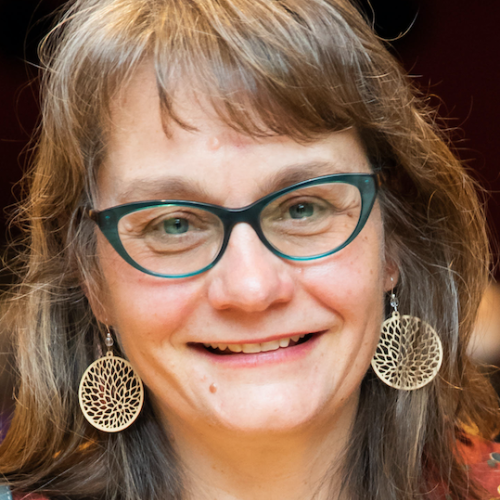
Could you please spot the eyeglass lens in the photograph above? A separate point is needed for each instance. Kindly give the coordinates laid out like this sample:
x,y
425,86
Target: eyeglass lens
x,y
177,240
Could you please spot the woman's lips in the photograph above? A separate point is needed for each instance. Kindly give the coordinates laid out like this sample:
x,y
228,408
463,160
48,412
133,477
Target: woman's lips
x,y
255,348
295,349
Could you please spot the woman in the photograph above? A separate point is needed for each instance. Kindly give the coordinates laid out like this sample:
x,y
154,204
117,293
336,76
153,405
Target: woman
x,y
233,196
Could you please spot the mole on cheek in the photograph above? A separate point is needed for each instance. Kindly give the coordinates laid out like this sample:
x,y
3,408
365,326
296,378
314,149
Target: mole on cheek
x,y
213,388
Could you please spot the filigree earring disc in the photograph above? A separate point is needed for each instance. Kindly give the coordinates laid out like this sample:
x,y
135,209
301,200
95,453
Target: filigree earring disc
x,y
409,353
111,394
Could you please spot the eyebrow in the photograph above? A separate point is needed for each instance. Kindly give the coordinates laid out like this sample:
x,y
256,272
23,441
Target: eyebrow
x,y
168,187
299,172
181,188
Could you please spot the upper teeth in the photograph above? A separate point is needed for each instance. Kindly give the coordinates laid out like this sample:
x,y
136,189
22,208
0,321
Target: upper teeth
x,y
254,348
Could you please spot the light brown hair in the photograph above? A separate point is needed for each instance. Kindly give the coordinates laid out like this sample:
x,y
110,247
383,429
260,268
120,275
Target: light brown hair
x,y
303,68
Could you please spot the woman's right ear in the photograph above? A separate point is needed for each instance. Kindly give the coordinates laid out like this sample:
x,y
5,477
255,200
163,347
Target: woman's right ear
x,y
96,304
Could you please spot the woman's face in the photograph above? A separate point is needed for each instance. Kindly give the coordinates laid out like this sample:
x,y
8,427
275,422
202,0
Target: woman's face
x,y
251,296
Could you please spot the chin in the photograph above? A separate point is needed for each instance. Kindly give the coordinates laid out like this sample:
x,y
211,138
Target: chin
x,y
271,408
266,422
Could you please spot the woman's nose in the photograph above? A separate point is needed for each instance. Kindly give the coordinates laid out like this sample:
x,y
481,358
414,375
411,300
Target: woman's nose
x,y
248,276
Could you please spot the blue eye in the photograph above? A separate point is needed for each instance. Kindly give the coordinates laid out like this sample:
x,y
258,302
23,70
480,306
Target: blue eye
x,y
301,210
176,226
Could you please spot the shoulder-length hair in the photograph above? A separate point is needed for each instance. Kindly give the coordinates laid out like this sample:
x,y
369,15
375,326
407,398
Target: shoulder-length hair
x,y
302,68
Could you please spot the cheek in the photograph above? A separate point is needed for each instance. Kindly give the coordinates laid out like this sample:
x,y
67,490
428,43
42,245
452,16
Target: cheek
x,y
351,283
140,306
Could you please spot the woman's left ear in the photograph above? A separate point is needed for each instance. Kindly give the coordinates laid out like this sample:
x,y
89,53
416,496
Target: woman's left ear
x,y
391,275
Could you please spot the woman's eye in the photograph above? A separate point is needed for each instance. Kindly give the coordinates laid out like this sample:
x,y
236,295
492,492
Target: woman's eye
x,y
301,210
176,226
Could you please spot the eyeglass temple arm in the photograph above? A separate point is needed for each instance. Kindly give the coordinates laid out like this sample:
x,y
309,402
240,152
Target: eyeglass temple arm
x,y
93,214
380,179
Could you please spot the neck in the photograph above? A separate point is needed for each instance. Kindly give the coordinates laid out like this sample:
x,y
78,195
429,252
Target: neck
x,y
301,464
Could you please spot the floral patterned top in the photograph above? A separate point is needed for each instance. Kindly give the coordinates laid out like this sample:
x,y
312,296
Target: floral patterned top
x,y
483,462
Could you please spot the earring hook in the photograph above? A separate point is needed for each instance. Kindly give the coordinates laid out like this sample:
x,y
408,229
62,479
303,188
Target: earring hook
x,y
109,341
394,300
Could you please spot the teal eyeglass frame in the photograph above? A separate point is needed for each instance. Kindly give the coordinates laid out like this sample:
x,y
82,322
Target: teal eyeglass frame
x,y
107,220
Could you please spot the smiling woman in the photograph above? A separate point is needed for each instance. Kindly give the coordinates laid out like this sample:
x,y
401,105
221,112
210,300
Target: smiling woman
x,y
229,198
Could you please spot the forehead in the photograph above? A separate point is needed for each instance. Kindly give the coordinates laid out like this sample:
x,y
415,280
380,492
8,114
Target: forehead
x,y
208,160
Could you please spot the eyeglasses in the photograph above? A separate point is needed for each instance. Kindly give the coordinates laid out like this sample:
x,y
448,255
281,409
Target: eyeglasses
x,y
179,239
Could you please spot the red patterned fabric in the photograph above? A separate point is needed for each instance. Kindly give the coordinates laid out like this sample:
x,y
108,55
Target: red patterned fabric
x,y
483,461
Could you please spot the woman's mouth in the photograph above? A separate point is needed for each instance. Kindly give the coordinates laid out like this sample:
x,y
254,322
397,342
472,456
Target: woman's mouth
x,y
273,345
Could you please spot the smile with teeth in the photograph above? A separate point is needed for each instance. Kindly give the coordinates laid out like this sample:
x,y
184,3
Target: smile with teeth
x,y
272,345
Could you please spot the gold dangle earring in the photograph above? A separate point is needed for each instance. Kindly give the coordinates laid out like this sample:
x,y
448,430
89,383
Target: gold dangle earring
x,y
409,352
111,394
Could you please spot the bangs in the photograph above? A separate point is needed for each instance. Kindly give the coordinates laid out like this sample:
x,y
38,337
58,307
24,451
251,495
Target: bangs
x,y
265,67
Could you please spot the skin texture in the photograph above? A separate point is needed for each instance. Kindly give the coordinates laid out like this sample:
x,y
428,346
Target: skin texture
x,y
270,425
